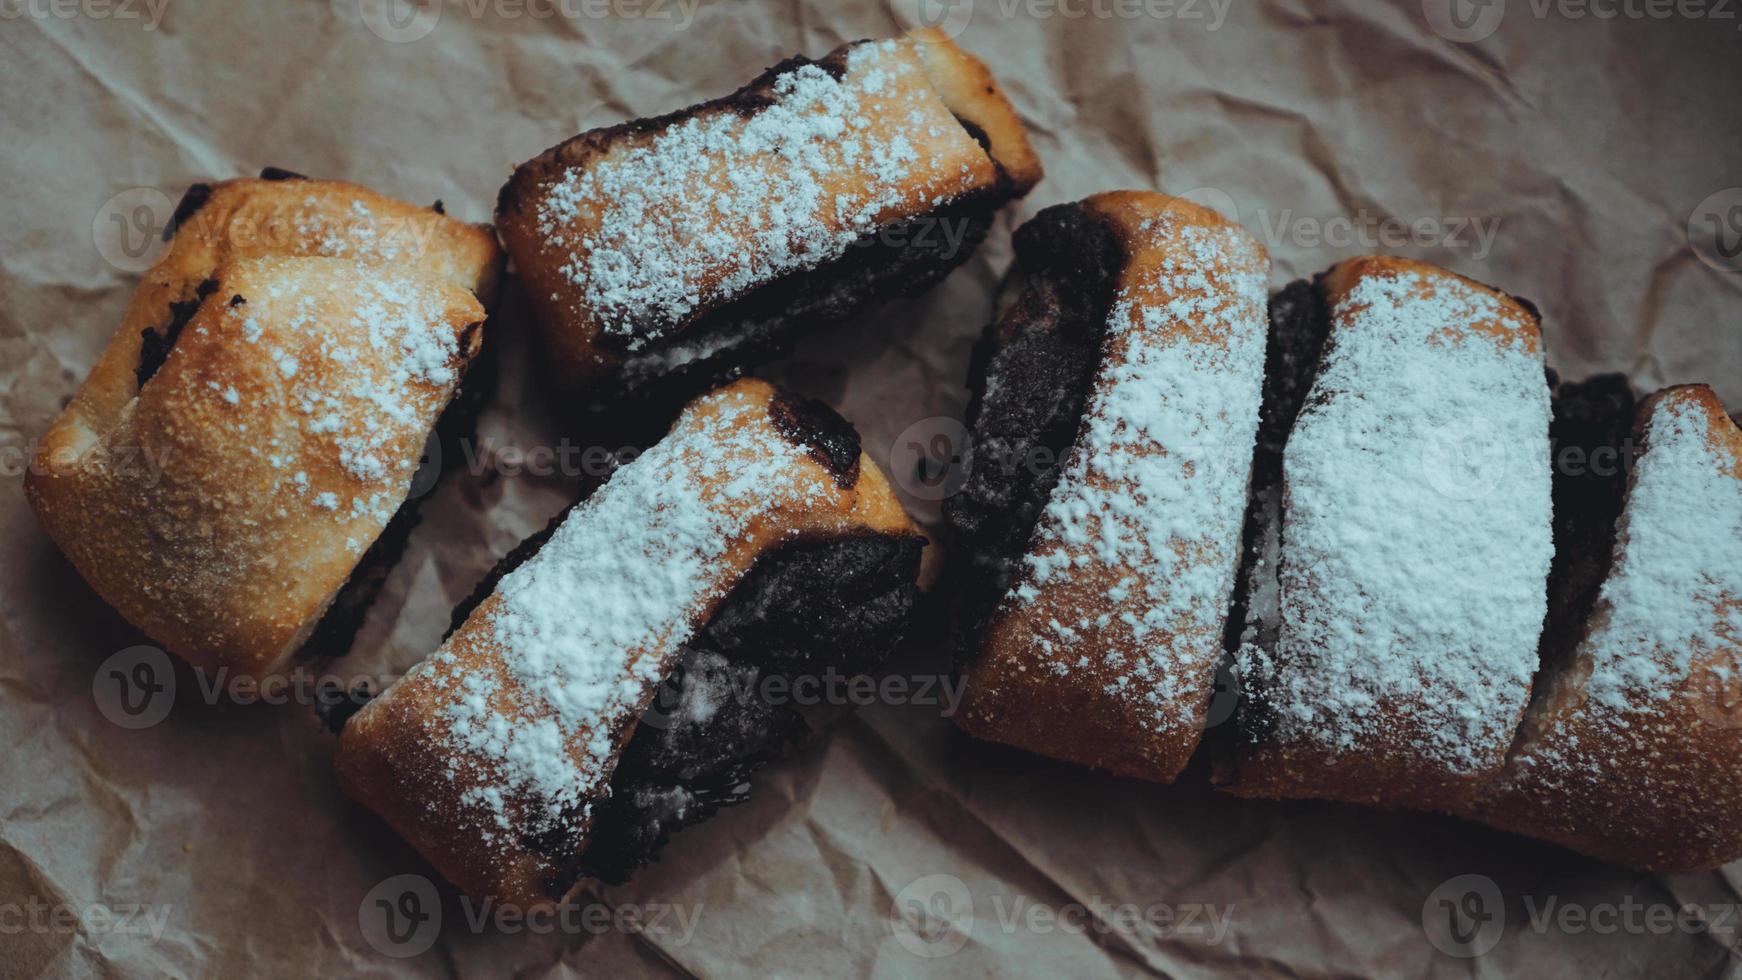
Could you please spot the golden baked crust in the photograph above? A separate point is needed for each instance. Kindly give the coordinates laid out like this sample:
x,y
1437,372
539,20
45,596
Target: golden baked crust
x,y
1652,783
435,755
1074,663
178,479
252,217
631,235
1381,695
222,507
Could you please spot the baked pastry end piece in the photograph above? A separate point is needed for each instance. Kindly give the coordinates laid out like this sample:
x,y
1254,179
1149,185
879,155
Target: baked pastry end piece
x,y
1632,750
222,506
497,756
1411,587
661,251
1104,648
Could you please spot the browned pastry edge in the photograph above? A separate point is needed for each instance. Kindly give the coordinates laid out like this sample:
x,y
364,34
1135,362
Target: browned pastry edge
x,y
219,229
1679,806
389,760
1383,776
580,359
1008,696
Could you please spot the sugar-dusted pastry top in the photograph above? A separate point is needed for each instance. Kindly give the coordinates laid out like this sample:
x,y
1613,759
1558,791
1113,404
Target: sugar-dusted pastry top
x,y
491,754
1104,649
285,216
1631,752
225,503
631,234
1415,545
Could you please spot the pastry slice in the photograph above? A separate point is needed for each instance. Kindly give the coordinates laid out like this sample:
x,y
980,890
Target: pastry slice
x,y
1632,750
1394,616
230,477
611,687
1130,350
683,245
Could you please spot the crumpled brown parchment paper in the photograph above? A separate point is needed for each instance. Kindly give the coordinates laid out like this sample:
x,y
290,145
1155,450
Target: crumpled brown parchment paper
x,y
1580,154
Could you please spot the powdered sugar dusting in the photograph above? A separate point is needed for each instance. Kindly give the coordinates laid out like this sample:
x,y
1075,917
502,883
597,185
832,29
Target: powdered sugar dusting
x,y
1676,588
1151,498
354,383
1416,536
660,229
1673,595
584,628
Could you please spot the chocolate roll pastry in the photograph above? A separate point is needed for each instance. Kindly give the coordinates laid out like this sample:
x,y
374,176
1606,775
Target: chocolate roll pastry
x,y
1632,749
607,691
230,471
1394,615
1130,348
675,248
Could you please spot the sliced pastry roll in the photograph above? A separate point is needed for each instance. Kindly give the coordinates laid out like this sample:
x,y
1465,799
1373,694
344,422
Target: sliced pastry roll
x,y
249,434
703,239
1632,749
1394,616
609,689
1115,411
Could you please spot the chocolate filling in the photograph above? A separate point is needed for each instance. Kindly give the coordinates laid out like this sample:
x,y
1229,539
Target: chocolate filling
x,y
830,439
333,635
1593,453
1300,320
1030,377
903,259
806,609
155,345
